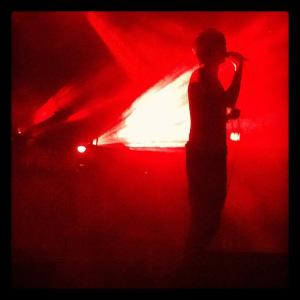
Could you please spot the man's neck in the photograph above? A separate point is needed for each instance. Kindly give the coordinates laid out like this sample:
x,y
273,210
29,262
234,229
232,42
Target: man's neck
x,y
211,71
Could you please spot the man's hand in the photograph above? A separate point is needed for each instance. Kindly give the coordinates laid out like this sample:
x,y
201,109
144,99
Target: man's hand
x,y
237,57
233,90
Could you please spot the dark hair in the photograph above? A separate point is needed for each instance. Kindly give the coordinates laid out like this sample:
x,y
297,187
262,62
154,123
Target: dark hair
x,y
208,42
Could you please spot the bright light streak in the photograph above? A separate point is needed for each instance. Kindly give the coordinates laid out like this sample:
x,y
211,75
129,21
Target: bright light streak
x,y
81,149
234,66
158,118
61,99
235,136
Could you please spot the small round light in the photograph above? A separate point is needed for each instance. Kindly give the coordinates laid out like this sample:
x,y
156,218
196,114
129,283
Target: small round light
x,y
81,149
235,136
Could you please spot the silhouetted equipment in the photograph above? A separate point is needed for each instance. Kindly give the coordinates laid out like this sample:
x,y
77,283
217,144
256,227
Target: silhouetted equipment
x,y
233,114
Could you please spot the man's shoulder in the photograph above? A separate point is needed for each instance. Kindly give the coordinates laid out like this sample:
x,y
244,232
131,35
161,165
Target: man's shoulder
x,y
195,77
196,82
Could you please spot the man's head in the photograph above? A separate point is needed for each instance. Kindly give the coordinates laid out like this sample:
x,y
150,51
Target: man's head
x,y
210,47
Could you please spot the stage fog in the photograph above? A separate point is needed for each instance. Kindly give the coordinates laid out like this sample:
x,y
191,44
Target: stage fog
x,y
100,119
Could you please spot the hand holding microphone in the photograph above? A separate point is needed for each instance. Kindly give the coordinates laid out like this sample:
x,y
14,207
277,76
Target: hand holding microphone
x,y
238,58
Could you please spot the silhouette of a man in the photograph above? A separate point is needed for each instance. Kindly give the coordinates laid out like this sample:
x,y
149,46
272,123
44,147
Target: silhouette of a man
x,y
206,149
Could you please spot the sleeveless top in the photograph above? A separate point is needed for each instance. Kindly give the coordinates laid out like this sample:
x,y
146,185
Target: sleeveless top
x,y
208,113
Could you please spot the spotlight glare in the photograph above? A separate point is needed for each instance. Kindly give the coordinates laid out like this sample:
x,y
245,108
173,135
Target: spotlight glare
x,y
235,136
81,149
159,118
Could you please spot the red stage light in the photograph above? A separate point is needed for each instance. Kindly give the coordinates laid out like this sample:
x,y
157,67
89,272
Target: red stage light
x,y
158,118
235,136
81,149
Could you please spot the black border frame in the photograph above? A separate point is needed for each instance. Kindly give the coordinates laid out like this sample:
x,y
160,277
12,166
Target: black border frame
x,y
9,6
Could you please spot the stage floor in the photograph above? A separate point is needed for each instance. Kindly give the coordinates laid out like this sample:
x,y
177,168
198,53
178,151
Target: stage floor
x,y
123,222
